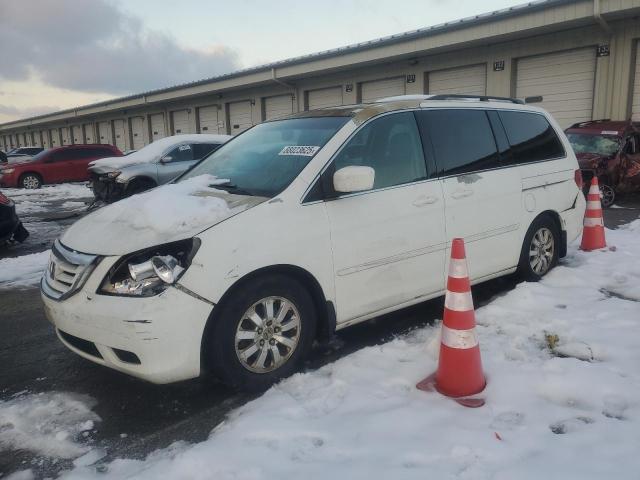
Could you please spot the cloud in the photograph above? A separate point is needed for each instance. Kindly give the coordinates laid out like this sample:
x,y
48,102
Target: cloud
x,y
12,111
93,46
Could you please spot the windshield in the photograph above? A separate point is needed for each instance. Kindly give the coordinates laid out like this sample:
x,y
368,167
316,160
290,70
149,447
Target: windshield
x,y
37,156
585,143
264,160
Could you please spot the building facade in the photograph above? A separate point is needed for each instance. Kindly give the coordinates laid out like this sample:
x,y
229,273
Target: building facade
x,y
582,57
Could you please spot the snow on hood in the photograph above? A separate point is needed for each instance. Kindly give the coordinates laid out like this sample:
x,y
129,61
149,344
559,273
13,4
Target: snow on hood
x,y
165,214
152,152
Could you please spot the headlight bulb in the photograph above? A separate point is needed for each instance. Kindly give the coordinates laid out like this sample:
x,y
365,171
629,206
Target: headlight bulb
x,y
167,268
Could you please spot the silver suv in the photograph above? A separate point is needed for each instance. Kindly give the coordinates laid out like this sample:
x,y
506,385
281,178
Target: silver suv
x,y
158,163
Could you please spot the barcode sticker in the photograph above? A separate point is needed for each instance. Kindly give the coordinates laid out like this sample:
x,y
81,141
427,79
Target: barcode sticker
x,y
299,150
608,132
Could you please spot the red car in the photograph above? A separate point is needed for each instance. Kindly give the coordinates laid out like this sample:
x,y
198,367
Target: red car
x,y
609,150
54,165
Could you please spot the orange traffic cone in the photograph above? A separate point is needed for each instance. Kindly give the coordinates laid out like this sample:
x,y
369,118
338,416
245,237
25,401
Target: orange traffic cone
x,y
593,232
459,371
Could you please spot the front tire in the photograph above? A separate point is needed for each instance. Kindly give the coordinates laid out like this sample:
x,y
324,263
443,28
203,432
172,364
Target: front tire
x,y
261,332
607,195
540,249
30,181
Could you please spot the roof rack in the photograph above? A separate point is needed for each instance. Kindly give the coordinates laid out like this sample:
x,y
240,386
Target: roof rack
x,y
481,98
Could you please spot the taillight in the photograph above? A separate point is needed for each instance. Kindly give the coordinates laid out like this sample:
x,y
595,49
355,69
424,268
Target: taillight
x,y
577,176
3,199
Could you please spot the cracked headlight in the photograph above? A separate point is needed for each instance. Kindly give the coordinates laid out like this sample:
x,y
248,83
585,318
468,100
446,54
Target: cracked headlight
x,y
150,271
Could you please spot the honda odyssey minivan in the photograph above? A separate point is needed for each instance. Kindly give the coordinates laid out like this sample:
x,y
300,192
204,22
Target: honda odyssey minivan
x,y
308,224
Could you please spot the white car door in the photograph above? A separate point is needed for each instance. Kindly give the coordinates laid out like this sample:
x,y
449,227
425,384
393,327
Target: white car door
x,y
483,197
388,243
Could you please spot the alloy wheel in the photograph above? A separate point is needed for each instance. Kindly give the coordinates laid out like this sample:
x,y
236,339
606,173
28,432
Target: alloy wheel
x,y
608,195
31,182
541,251
267,334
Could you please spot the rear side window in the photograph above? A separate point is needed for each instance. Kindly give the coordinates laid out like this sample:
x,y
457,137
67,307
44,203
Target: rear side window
x,y
531,137
201,150
462,140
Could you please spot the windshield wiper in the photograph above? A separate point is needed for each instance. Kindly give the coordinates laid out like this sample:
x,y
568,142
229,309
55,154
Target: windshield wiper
x,y
231,188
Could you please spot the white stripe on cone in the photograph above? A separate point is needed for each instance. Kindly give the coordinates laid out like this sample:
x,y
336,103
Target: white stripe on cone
x,y
458,268
461,339
594,190
594,205
458,302
593,222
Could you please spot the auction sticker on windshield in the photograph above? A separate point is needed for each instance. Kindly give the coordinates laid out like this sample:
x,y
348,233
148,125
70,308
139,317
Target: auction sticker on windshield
x,y
609,132
299,150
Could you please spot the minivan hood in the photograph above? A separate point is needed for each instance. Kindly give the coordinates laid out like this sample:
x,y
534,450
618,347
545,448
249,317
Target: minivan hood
x,y
165,214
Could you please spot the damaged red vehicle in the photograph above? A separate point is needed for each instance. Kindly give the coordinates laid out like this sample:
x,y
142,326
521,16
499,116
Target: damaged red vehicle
x,y
611,151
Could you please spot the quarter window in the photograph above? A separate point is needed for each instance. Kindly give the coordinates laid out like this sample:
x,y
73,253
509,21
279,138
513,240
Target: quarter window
x,y
462,140
531,137
391,146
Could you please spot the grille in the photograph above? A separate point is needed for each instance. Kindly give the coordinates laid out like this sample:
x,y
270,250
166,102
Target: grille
x,y
67,271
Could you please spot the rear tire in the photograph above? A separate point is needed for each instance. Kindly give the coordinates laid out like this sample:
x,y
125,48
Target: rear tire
x,y
30,181
252,355
540,249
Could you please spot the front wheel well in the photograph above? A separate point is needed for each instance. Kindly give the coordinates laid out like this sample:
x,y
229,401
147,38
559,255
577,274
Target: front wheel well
x,y
325,309
35,174
555,217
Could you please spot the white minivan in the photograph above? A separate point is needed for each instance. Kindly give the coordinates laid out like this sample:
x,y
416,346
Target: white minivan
x,y
305,225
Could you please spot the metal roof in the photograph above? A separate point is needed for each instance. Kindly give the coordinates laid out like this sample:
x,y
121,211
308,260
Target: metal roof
x,y
382,41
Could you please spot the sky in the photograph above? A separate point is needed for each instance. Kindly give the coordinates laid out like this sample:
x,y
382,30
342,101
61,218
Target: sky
x,y
57,54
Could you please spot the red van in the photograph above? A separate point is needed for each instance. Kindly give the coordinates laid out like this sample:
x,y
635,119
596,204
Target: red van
x,y
54,165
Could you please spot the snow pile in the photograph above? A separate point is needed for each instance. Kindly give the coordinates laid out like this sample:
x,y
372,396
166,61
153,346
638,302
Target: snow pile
x,y
152,152
545,417
23,271
61,191
49,424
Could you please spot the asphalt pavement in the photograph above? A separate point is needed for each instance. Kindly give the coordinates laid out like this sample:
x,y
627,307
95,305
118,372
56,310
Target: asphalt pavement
x,y
139,417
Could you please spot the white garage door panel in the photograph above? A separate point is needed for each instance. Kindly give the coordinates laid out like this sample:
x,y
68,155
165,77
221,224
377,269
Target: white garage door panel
x,y
208,119
55,137
390,87
157,126
635,100
66,136
88,133
325,97
240,116
76,131
104,132
137,132
278,106
120,133
464,80
180,122
565,80
45,138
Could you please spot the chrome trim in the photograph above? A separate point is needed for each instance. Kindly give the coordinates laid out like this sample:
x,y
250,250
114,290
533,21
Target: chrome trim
x,y
67,271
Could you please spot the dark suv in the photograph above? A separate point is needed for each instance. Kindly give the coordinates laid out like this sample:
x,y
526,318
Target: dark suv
x,y
55,165
609,150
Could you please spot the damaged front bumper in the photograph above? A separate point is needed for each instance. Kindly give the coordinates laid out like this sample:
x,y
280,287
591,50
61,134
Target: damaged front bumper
x,y
157,339
106,189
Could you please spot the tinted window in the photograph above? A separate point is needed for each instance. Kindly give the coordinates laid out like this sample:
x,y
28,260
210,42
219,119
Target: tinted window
x,y
201,150
391,146
181,153
531,137
462,140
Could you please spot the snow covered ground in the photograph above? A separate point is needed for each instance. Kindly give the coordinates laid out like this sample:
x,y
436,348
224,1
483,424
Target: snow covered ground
x,y
546,416
39,200
23,271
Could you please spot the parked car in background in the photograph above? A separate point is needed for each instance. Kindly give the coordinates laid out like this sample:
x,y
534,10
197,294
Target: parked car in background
x,y
310,223
24,151
11,228
54,165
3,157
156,164
609,150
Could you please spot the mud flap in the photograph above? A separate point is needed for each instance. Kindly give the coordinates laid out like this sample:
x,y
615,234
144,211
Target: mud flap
x,y
20,234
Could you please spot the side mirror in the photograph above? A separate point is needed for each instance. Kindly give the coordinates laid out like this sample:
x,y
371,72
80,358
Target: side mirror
x,y
353,179
166,159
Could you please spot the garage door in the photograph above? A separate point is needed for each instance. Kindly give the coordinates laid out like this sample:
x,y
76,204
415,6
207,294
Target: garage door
x,y
240,116
104,132
208,119
565,80
45,138
278,106
137,133
121,134
76,130
66,135
324,97
464,80
88,133
180,121
635,101
55,137
372,91
156,121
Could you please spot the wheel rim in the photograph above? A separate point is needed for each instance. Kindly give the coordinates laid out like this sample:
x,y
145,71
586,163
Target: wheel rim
x,y
267,334
30,182
608,195
541,251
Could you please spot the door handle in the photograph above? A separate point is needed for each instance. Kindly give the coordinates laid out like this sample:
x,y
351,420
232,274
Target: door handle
x,y
462,194
424,200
